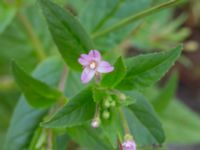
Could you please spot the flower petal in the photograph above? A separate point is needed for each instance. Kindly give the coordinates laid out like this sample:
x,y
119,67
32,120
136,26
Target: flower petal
x,y
104,67
129,145
95,55
87,75
84,59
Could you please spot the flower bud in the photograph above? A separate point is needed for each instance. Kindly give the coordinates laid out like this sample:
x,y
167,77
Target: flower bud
x,y
113,103
95,122
106,103
106,114
129,143
122,96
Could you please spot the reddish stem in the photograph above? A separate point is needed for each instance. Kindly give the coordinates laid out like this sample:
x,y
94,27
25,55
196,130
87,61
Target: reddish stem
x,y
120,144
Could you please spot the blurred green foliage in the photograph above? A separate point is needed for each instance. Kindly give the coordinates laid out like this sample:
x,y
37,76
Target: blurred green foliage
x,y
168,32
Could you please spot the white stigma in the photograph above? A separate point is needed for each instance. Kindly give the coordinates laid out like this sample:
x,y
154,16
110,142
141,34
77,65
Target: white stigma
x,y
93,65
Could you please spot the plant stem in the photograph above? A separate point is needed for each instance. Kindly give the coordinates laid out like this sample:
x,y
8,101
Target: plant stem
x,y
62,83
96,115
49,139
120,144
63,78
33,37
136,17
97,78
124,123
61,87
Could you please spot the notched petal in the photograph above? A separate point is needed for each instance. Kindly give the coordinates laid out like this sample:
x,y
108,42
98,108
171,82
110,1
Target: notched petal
x,y
84,59
105,67
95,55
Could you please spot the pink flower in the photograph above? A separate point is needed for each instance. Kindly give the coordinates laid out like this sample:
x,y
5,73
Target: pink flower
x,y
129,145
93,65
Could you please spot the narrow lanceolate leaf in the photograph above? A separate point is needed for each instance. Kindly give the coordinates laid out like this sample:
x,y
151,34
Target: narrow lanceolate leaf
x,y
165,96
68,34
143,122
25,119
113,78
80,109
145,70
37,93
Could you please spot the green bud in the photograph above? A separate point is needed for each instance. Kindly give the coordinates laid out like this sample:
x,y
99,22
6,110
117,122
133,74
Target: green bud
x,y
109,99
107,103
122,96
128,137
106,114
113,103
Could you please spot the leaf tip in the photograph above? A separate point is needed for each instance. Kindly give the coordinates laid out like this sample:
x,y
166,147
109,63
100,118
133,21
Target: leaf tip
x,y
179,48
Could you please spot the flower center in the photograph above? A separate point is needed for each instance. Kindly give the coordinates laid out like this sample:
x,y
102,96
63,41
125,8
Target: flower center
x,y
92,65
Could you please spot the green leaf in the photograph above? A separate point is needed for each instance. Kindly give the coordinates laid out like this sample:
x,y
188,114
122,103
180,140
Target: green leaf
x,y
113,78
113,127
62,142
180,124
99,93
7,12
166,94
29,26
68,34
172,32
37,93
25,118
99,17
145,70
77,5
24,122
114,12
80,109
136,17
143,123
73,84
89,137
